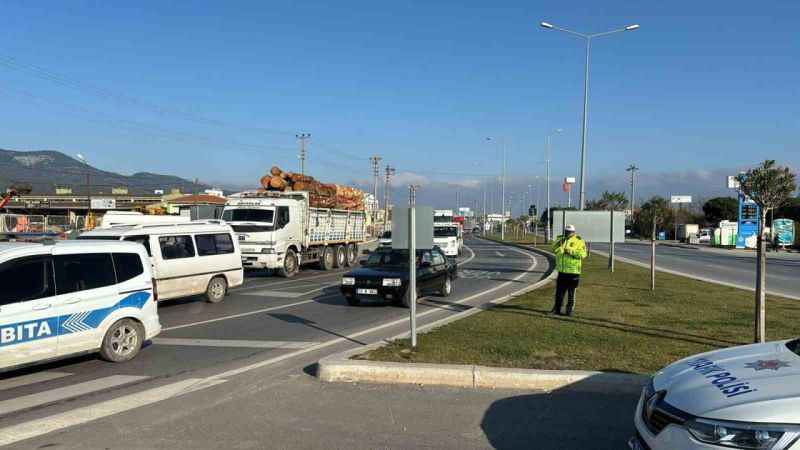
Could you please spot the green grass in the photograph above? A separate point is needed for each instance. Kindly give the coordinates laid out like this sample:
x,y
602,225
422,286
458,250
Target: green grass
x,y
620,325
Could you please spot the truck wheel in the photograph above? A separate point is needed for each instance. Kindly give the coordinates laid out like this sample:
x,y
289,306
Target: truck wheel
x,y
352,254
216,290
289,265
122,341
328,258
341,256
447,287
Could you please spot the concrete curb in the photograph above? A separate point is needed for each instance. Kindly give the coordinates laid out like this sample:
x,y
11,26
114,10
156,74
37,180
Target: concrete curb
x,y
342,369
694,277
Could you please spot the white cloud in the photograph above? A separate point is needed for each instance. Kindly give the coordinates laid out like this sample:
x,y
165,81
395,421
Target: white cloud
x,y
406,178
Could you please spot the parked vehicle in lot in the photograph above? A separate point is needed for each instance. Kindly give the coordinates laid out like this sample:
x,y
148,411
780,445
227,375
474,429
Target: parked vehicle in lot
x,y
281,231
385,275
70,297
187,259
449,238
704,236
743,397
385,240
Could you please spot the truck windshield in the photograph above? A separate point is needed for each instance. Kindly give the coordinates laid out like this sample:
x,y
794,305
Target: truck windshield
x,y
445,232
248,215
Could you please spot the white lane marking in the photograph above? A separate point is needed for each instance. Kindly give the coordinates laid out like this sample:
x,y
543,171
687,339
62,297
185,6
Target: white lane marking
x,y
33,378
349,338
286,294
245,314
76,390
471,255
500,254
28,430
38,427
233,343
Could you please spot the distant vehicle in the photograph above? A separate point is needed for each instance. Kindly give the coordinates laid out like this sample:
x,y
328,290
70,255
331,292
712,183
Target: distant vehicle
x,y
385,275
68,298
449,238
743,397
193,258
442,216
704,236
386,239
476,230
281,231
686,231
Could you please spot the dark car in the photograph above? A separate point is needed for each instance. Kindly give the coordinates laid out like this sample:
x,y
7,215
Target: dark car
x,y
385,274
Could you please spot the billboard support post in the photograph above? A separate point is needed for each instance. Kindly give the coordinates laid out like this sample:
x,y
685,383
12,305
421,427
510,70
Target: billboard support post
x,y
611,244
412,265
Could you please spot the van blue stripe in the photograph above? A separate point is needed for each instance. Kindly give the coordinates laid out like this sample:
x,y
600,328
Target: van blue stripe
x,y
50,327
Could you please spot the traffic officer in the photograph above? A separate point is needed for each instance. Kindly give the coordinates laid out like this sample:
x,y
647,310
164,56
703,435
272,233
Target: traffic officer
x,y
570,251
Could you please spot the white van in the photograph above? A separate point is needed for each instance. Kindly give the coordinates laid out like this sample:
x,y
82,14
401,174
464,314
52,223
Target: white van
x,y
201,257
112,218
68,298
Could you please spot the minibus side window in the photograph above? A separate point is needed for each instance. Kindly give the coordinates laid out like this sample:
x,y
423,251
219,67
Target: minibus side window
x,y
176,247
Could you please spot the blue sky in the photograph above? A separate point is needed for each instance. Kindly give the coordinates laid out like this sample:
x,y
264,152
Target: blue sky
x,y
217,90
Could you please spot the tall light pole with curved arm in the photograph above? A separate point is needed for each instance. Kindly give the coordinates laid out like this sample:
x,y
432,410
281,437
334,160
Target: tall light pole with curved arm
x,y
588,38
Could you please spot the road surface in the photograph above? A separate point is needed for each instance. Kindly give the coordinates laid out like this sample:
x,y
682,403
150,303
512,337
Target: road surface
x,y
223,371
783,270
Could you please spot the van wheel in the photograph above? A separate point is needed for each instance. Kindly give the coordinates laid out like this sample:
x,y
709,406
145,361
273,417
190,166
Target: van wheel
x,y
289,265
341,256
352,254
122,341
216,290
328,259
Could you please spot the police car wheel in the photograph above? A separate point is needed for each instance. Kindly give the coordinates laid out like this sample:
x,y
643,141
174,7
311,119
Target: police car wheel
x,y
216,290
122,341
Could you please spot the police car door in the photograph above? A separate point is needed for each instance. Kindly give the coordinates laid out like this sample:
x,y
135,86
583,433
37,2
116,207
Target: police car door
x,y
28,321
86,294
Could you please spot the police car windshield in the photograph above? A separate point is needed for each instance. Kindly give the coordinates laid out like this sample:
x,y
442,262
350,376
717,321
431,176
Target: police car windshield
x,y
445,232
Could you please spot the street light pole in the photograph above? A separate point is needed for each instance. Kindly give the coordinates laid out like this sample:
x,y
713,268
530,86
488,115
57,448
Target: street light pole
x,y
547,176
82,159
588,38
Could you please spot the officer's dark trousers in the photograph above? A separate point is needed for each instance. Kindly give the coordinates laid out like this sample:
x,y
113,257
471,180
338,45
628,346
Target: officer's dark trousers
x,y
566,283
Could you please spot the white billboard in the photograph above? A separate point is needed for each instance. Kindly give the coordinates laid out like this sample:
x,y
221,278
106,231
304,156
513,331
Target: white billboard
x,y
103,203
681,199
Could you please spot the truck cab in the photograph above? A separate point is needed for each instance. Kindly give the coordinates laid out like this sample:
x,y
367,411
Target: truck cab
x,y
449,238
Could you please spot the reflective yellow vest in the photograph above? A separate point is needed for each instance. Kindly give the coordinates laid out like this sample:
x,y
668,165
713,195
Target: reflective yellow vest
x,y
569,254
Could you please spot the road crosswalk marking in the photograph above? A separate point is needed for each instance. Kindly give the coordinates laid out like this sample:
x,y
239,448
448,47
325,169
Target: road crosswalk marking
x,y
55,395
33,378
292,345
78,416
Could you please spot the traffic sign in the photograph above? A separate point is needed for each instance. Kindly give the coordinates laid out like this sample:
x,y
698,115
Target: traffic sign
x,y
681,199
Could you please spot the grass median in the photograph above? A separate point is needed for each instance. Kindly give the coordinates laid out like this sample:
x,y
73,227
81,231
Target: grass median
x,y
619,325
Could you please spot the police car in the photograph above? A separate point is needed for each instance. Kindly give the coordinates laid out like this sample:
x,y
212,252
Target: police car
x,y
72,297
744,397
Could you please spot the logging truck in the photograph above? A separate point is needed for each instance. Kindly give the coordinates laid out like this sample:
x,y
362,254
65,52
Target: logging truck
x,y
282,231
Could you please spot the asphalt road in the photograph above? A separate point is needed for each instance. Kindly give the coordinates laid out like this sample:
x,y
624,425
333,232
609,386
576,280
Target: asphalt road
x,y
783,271
219,367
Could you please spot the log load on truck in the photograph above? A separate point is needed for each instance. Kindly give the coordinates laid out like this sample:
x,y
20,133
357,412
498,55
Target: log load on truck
x,y
284,228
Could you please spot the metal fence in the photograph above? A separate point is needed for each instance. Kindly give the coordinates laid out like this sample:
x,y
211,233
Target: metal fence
x,y
19,223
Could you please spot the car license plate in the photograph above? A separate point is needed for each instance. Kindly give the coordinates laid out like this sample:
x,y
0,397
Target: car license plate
x,y
241,237
367,291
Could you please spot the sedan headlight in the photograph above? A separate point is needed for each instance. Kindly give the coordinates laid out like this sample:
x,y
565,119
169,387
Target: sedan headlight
x,y
391,282
753,436
348,281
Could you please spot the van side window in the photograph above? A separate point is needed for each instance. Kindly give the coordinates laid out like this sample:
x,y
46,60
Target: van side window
x,y
283,217
214,244
127,266
176,247
83,271
25,279
144,240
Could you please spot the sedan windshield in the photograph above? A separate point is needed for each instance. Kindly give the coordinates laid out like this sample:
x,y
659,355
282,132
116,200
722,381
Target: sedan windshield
x,y
393,258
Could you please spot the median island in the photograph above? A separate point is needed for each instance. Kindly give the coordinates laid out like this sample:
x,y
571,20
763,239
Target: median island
x,y
619,325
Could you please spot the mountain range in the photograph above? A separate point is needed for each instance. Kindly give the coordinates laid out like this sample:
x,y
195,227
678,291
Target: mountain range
x,y
44,170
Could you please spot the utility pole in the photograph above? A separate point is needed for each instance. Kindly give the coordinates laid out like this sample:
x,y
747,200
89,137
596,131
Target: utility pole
x,y
376,174
503,212
632,169
412,262
302,137
389,172
82,159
